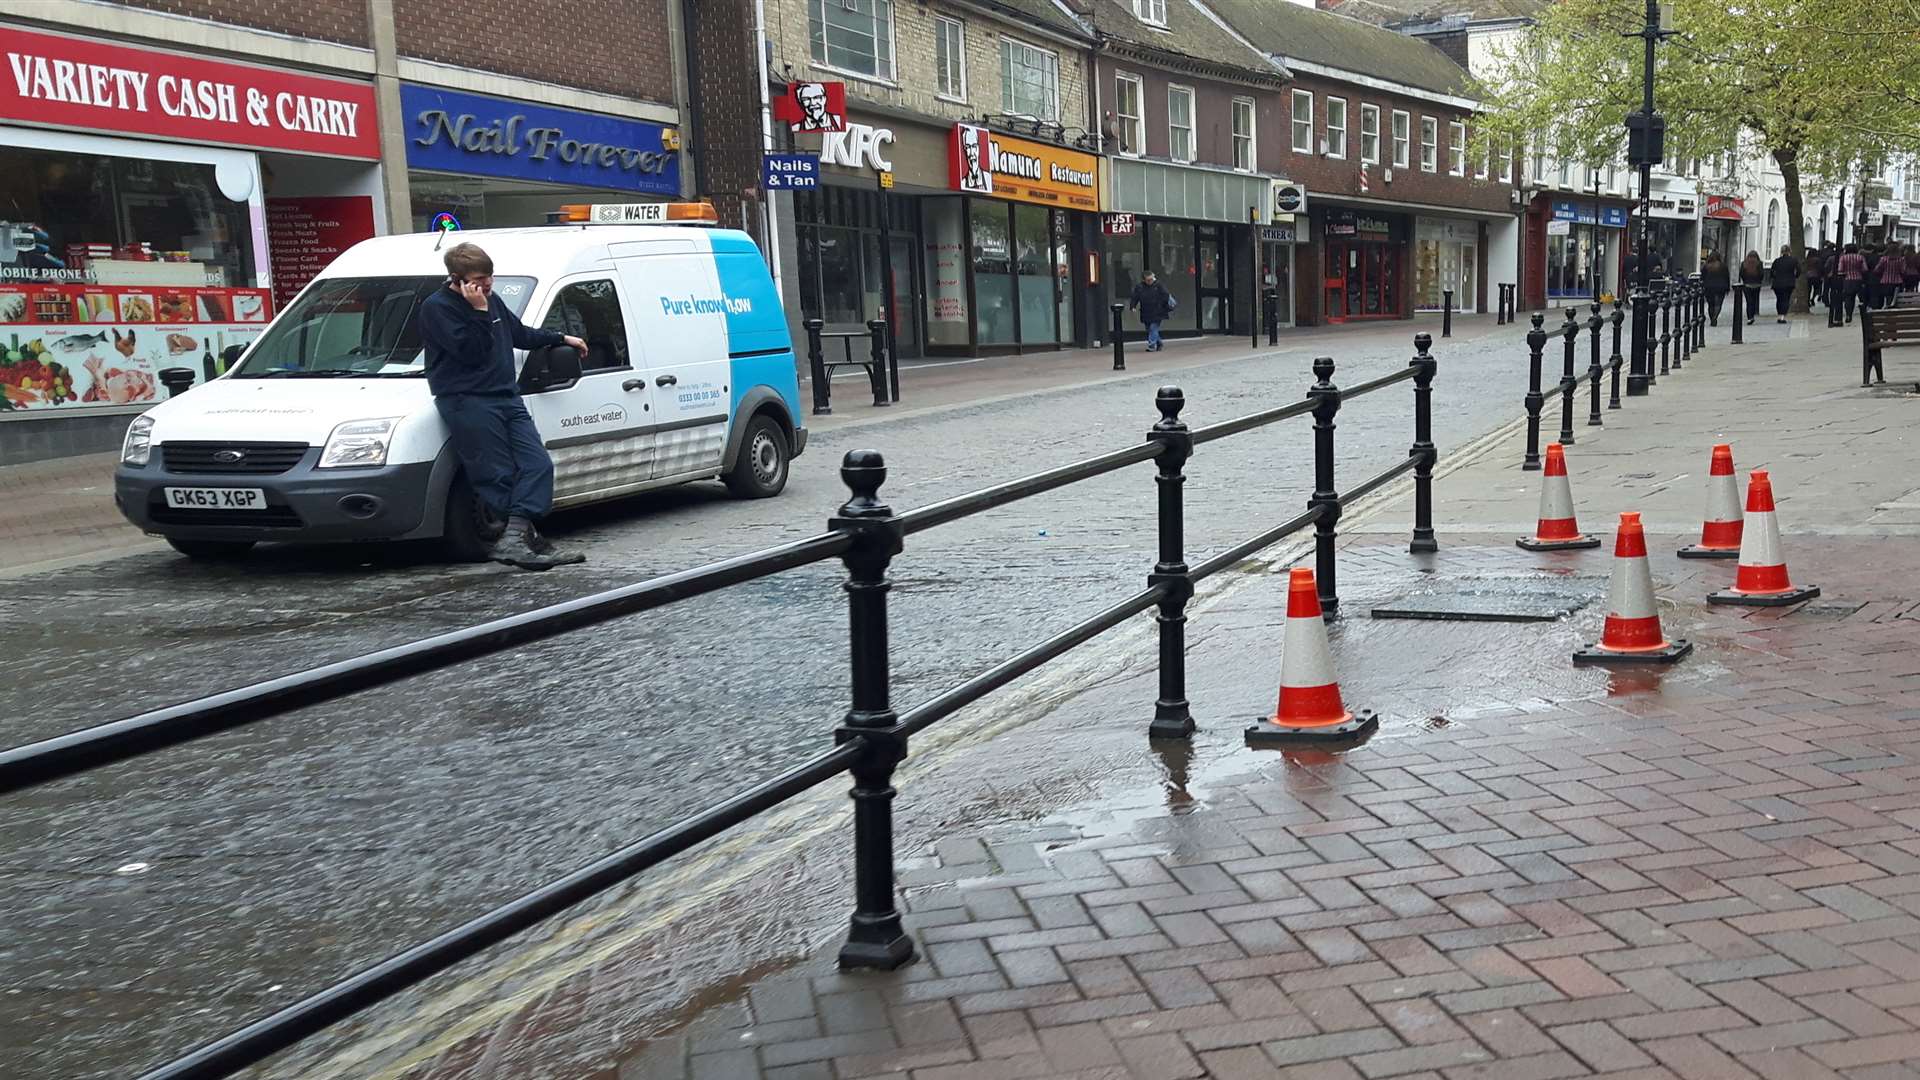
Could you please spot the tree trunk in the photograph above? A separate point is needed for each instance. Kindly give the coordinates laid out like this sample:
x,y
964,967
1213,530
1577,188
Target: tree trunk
x,y
1788,158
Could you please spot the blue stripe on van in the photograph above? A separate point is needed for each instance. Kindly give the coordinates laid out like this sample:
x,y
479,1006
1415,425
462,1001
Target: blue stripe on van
x,y
757,341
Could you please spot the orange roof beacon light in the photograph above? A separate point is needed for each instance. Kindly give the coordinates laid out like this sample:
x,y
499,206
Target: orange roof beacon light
x,y
660,213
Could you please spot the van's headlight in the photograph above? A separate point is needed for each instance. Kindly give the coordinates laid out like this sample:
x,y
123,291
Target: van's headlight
x,y
137,449
358,444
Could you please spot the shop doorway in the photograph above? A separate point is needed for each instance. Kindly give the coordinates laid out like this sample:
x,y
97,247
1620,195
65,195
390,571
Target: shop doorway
x,y
1363,280
1276,273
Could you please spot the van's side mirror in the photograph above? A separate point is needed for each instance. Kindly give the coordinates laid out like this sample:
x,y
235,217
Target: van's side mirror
x,y
554,367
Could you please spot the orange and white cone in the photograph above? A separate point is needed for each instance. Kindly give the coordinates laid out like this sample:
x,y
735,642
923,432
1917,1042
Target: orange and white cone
x,y
1557,530
1720,535
1632,633
1310,709
1761,579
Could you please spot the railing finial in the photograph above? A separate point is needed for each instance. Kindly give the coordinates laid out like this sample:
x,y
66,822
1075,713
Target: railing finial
x,y
864,471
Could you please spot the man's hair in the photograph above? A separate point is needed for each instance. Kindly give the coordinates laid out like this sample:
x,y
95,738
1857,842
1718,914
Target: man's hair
x,y
464,259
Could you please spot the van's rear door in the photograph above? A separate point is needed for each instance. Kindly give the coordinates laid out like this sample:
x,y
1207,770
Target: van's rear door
x,y
680,327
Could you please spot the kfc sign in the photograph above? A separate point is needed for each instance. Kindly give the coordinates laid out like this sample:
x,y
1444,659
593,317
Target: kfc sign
x,y
858,147
77,83
813,106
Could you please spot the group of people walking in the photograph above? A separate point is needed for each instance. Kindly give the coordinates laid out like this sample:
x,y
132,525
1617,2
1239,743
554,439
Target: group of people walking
x,y
1837,277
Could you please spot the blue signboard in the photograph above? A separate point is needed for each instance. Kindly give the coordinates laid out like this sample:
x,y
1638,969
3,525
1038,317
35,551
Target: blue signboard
x,y
450,131
1613,217
786,171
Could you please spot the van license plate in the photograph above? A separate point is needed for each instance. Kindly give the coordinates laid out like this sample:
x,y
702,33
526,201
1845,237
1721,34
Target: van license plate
x,y
216,498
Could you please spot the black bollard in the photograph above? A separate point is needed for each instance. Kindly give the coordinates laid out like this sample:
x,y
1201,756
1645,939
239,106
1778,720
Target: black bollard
x,y
1536,343
1326,402
1119,339
1739,314
1273,317
817,370
1570,331
1424,367
1682,330
877,354
1446,313
1172,715
1618,319
1665,305
1594,370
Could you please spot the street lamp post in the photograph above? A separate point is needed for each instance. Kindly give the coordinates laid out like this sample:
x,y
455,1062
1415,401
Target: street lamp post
x,y
1646,147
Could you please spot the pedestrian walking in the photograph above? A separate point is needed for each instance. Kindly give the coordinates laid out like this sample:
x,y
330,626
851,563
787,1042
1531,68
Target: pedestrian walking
x,y
1816,277
470,335
1154,303
1893,274
1752,276
1830,271
1912,279
1715,282
1852,270
1785,273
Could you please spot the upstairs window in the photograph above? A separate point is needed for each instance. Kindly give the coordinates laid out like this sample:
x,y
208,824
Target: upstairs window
x,y
854,36
1029,80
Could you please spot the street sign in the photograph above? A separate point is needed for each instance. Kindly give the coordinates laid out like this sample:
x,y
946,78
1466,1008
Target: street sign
x,y
886,180
784,172
1559,227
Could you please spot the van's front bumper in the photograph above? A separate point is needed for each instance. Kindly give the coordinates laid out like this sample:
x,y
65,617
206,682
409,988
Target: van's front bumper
x,y
304,504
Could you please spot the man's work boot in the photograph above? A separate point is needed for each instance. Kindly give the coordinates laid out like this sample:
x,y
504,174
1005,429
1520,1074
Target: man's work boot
x,y
515,547
539,542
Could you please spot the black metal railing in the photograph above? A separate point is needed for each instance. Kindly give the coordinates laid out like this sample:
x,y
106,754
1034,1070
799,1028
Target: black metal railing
x,y
1677,313
870,742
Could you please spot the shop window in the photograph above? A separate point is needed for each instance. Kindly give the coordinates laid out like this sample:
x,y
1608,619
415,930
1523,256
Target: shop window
x,y
950,57
1402,136
1179,123
1336,127
590,311
993,285
103,220
1029,81
1370,134
854,36
1457,148
1244,157
1429,144
830,266
943,225
1303,122
1175,261
1132,119
1034,268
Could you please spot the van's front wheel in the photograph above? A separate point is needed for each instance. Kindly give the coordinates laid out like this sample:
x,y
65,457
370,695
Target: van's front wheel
x,y
469,531
761,470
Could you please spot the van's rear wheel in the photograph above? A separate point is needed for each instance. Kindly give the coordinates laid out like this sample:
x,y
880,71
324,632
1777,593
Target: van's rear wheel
x,y
760,472
212,550
469,530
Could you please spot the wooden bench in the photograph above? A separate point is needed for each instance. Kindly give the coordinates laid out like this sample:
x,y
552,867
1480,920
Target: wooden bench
x,y
1888,328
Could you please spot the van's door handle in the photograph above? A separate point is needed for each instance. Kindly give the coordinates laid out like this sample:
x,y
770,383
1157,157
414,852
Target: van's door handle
x,y
633,384
666,380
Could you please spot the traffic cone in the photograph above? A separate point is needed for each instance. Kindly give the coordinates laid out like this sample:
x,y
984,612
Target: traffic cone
x,y
1720,536
1557,530
1310,710
1761,579
1632,633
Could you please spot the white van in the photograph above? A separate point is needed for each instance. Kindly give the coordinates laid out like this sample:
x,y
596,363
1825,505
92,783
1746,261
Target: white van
x,y
324,430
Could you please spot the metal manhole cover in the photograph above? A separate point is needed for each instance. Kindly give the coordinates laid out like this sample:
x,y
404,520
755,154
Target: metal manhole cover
x,y
1514,600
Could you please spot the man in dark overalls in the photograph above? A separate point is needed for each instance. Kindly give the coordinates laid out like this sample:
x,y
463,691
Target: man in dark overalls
x,y
470,336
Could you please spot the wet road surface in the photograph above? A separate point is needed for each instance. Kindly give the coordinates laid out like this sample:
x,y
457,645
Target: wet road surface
x,y
154,905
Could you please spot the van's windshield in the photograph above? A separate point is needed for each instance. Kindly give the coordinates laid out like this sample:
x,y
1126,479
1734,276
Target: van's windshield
x,y
357,328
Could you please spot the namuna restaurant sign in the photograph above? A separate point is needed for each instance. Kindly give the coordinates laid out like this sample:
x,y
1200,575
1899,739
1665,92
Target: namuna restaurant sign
x,y
470,133
988,163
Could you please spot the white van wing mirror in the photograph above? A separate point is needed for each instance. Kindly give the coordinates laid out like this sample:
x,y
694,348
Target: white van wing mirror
x,y
553,367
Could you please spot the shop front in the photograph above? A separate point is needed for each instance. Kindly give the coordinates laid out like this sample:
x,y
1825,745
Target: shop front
x,y
1584,250
1003,256
143,231
1191,226
1276,268
1364,263
496,163
1673,212
1720,226
1447,254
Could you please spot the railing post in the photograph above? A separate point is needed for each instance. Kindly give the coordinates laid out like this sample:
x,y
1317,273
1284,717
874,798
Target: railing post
x,y
1682,327
1424,368
875,939
1536,344
1172,718
1119,341
1595,374
1326,402
1570,332
817,370
1615,362
1446,313
1666,327
877,352
1699,314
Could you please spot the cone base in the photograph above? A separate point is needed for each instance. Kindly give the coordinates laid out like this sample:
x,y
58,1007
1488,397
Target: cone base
x,y
1779,599
1669,653
1359,726
1695,551
1534,543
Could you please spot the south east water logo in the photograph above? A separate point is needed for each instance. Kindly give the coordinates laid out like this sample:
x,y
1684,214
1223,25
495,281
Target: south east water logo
x,y
699,305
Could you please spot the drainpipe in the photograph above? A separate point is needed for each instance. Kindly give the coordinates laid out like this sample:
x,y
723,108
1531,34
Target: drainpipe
x,y
771,215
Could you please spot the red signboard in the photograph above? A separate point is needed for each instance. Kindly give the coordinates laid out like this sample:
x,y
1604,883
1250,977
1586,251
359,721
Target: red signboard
x,y
1726,208
304,235
76,83
813,106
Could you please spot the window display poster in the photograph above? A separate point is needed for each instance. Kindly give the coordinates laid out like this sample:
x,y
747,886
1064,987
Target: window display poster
x,y
946,259
77,346
304,235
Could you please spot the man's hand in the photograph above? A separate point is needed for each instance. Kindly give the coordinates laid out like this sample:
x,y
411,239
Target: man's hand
x,y
474,294
579,346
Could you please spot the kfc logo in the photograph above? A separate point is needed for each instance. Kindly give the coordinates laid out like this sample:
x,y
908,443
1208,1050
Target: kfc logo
x,y
813,106
976,169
